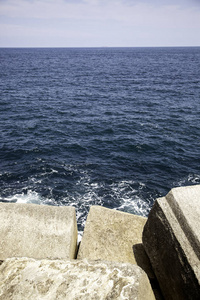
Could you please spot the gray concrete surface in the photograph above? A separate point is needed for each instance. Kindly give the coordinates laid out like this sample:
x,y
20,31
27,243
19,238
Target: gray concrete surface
x,y
171,240
110,235
38,231
23,278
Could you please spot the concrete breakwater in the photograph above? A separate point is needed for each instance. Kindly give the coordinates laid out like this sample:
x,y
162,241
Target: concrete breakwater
x,y
121,256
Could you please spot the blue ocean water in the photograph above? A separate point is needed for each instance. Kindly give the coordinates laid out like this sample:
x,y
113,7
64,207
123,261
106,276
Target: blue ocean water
x,y
116,127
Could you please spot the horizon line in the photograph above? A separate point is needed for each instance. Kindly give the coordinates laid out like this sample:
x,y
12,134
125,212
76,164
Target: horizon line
x,y
63,47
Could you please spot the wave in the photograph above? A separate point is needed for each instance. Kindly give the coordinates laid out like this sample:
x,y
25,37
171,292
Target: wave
x,y
84,191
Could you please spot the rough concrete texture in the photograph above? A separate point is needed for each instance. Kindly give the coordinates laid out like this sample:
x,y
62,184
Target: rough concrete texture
x,y
23,278
110,235
171,240
37,231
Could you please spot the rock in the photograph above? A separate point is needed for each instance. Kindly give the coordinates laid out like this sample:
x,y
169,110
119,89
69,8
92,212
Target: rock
x,y
23,278
171,239
37,231
110,235
142,261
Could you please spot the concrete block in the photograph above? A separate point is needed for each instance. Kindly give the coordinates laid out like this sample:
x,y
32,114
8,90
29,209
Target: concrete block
x,y
171,239
110,235
37,231
23,278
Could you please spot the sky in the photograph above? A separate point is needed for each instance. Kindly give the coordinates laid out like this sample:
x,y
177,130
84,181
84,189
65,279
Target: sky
x,y
99,23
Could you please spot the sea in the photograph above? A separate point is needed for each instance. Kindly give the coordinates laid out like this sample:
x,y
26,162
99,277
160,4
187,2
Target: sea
x,y
115,127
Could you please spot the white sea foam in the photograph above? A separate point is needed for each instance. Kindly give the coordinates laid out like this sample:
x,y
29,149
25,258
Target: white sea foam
x,y
29,197
191,178
122,195
129,199
194,178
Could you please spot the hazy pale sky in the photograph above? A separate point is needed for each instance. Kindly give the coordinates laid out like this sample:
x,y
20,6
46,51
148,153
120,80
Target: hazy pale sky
x,y
97,23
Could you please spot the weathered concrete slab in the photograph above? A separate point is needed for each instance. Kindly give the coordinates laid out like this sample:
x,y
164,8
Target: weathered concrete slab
x,y
37,231
22,279
171,239
110,235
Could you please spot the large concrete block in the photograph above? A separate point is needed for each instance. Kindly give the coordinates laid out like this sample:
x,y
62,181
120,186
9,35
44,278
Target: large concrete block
x,y
37,231
171,239
23,278
110,235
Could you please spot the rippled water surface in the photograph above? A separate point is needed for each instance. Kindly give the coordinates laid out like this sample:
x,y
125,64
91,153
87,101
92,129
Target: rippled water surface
x,y
116,127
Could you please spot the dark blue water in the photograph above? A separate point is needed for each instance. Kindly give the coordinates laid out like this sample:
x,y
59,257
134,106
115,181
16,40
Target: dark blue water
x,y
116,127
